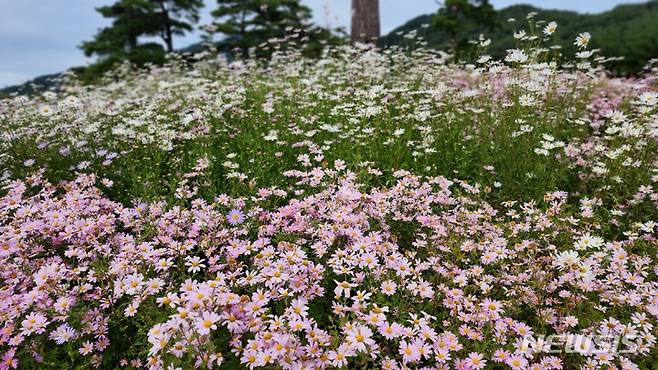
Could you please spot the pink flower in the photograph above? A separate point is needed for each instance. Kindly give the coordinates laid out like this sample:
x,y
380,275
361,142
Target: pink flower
x,y
87,348
207,322
476,361
360,337
390,331
389,287
235,217
517,362
409,352
34,323
339,357
8,360
343,288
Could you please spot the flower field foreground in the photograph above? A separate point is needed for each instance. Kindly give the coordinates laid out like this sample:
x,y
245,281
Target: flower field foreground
x,y
373,209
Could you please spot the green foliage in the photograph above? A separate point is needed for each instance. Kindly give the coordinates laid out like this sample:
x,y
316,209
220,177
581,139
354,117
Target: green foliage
x,y
457,16
628,31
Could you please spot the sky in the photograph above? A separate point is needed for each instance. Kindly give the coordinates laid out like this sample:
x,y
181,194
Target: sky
x,y
41,36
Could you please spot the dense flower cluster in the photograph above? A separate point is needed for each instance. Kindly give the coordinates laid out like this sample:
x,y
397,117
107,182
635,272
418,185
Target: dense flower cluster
x,y
372,209
422,273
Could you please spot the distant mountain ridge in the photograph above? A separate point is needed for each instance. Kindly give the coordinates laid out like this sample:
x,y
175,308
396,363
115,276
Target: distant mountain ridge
x,y
38,83
629,31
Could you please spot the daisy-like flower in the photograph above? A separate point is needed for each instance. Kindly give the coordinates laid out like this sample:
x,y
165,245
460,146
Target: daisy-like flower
x,y
588,241
517,362
583,40
476,361
519,35
491,307
389,287
164,264
46,110
567,258
8,360
516,56
87,348
339,357
131,309
409,352
235,217
63,334
299,307
207,322
570,321
500,355
63,304
550,28
360,337
34,323
649,98
195,264
343,288
390,331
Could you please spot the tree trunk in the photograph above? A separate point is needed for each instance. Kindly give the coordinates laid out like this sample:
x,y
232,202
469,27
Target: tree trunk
x,y
365,20
170,39
168,36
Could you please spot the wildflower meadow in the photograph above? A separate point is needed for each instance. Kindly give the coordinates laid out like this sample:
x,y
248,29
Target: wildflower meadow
x,y
372,209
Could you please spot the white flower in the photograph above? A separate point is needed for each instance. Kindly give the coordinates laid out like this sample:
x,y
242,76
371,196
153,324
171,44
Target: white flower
x,y
567,258
63,334
649,98
516,56
582,40
648,226
131,309
71,100
550,28
584,54
617,116
194,264
526,100
588,241
46,110
273,135
483,59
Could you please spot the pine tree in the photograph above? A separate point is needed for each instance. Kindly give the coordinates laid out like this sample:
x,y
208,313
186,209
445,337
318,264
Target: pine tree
x,y
132,19
176,17
250,23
